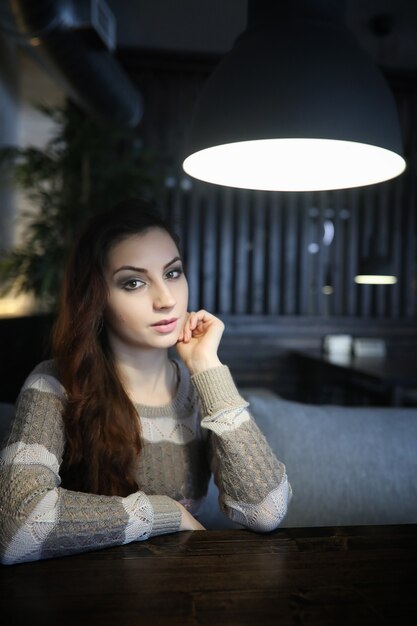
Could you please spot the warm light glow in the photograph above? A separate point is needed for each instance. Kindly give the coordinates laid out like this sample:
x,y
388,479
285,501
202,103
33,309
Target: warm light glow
x,y
15,306
374,279
294,164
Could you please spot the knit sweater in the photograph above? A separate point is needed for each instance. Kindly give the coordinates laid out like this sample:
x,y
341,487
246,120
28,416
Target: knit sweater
x,y
206,428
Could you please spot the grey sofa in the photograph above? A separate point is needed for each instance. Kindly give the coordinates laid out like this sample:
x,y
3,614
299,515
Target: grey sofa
x,y
346,465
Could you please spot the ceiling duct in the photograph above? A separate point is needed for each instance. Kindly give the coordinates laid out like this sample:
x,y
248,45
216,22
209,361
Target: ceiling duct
x,y
74,38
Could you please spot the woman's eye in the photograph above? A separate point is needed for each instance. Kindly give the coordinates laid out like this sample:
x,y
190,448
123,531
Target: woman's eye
x,y
174,273
132,284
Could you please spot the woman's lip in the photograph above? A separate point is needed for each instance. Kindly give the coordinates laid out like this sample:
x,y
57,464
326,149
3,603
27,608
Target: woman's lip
x,y
165,326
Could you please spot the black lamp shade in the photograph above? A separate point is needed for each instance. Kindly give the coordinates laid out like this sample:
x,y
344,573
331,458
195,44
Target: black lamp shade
x,y
286,85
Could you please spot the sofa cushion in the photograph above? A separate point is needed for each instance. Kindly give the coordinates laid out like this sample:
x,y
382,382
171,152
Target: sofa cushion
x,y
346,465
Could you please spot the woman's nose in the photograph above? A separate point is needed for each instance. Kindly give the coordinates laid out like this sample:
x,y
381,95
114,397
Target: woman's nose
x,y
163,297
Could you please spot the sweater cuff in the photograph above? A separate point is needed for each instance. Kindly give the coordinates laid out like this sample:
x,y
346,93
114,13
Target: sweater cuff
x,y
166,515
217,390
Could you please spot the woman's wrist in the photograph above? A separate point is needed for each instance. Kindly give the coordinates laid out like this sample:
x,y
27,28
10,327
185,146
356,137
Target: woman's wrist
x,y
188,522
196,366
217,391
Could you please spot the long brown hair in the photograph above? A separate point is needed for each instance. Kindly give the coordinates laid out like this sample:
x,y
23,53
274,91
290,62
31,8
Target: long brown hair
x,y
102,429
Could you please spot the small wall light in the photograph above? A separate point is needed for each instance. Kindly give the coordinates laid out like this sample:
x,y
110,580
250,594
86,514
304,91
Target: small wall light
x,y
375,272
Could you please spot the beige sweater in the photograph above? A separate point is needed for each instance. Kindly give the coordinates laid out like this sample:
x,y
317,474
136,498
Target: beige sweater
x,y
206,428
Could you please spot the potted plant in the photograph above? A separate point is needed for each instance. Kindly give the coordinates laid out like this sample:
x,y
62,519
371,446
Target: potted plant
x,y
83,169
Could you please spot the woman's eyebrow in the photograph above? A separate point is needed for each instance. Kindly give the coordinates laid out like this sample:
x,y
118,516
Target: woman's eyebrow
x,y
142,270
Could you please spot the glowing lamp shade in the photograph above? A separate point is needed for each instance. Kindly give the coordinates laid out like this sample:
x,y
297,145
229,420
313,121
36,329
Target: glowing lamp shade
x,y
294,164
295,106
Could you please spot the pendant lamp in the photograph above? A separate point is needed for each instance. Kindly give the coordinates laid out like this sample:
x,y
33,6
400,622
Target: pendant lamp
x,y
296,105
375,269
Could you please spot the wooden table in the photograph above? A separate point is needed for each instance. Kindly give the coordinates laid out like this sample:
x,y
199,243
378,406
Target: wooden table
x,y
322,576
385,378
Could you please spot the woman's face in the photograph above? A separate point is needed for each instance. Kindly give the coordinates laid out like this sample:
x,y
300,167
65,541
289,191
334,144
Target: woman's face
x,y
147,291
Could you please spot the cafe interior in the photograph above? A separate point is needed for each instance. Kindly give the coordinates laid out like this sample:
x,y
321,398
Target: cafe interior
x,y
280,141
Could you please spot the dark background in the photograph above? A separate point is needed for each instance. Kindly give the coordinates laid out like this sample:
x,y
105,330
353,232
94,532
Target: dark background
x,y
264,261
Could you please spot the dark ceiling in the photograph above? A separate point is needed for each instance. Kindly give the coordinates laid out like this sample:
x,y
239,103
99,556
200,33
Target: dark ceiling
x,y
387,29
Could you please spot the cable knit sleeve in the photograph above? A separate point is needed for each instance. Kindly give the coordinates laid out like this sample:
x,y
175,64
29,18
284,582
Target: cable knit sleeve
x,y
253,485
38,518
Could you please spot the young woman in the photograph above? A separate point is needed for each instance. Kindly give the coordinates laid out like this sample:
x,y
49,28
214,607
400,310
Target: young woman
x,y
113,441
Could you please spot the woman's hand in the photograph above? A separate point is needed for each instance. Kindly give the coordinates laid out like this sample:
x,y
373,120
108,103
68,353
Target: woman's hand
x,y
188,522
199,340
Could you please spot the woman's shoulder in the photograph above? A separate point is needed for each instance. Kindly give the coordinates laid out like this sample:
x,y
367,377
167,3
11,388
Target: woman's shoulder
x,y
44,378
47,368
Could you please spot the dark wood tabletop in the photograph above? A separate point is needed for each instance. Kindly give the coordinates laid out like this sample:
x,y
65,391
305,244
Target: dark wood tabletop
x,y
393,374
393,369
305,576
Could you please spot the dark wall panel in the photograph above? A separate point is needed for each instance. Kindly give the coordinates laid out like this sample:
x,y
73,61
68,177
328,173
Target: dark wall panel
x,y
261,253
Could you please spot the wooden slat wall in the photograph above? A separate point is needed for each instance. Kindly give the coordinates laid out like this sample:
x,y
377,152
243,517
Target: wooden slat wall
x,y
247,252
273,249
226,273
258,348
